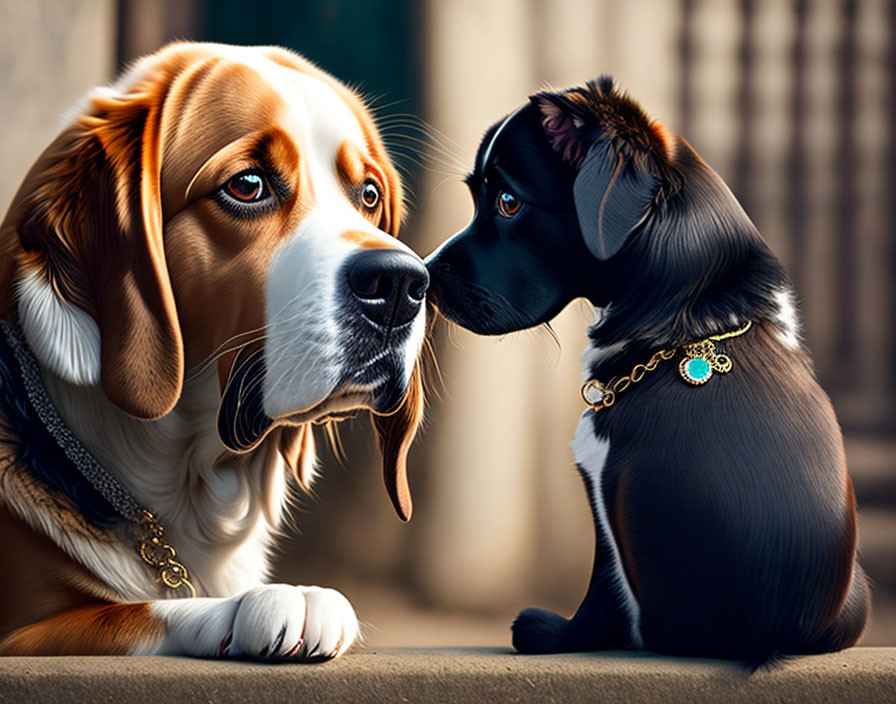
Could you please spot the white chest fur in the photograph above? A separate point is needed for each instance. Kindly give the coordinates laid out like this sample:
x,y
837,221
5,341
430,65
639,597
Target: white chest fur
x,y
220,510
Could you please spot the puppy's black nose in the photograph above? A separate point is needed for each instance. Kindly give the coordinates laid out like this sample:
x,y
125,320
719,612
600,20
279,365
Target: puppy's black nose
x,y
388,284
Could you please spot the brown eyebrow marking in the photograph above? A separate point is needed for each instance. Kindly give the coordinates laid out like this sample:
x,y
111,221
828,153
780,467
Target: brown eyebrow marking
x,y
352,167
393,203
273,149
277,151
349,162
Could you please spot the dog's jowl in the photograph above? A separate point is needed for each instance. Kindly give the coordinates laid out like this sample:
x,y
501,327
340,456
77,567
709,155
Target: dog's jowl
x,y
713,461
199,267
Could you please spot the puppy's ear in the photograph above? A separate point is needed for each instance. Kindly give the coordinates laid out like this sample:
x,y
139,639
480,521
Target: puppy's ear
x,y
612,198
86,225
395,433
568,123
608,139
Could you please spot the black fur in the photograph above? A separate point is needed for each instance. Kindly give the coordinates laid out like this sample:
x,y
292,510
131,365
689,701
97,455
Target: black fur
x,y
242,422
729,504
37,449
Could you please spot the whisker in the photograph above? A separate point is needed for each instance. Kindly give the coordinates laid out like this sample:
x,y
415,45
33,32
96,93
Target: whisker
x,y
411,132
429,164
536,335
428,126
375,108
219,352
419,124
215,357
431,368
423,148
410,147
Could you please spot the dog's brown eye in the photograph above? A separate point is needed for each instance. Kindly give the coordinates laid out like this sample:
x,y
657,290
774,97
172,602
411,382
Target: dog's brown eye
x,y
247,187
370,195
508,204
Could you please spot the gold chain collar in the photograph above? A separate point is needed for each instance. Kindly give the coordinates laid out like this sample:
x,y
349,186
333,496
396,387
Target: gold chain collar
x,y
153,546
157,553
697,367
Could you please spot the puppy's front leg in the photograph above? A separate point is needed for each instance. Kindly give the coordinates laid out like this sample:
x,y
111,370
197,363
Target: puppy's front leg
x,y
609,616
606,620
275,621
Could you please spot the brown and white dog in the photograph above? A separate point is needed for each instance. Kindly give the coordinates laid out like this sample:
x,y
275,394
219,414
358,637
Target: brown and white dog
x,y
202,263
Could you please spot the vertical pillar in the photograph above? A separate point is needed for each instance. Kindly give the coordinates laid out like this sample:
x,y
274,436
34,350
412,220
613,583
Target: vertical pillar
x,y
477,532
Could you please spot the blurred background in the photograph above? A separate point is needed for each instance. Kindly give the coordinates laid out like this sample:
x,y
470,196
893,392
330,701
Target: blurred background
x,y
792,102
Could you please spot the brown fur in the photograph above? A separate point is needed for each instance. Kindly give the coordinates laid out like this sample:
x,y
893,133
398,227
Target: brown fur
x,y
395,433
97,629
113,214
362,239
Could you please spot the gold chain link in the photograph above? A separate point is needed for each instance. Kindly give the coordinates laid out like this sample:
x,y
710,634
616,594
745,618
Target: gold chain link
x,y
733,333
156,552
609,392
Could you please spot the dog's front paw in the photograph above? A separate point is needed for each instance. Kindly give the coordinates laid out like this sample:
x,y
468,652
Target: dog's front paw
x,y
285,622
271,622
539,631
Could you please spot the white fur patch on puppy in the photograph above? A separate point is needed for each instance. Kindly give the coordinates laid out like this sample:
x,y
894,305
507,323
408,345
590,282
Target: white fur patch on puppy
x,y
787,319
591,454
592,355
275,621
61,335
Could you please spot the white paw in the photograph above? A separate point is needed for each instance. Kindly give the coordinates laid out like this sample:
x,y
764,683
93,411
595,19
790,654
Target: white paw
x,y
275,621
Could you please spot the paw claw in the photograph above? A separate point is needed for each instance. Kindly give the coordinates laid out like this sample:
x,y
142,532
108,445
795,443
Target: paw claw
x,y
224,645
295,649
278,643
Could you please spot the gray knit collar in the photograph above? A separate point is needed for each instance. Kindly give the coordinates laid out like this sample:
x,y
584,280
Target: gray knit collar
x,y
52,453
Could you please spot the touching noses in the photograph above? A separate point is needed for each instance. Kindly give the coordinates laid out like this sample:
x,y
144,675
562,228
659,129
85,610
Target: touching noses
x,y
389,285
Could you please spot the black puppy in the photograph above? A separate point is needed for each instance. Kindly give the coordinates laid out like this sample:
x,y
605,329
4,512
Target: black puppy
x,y
714,463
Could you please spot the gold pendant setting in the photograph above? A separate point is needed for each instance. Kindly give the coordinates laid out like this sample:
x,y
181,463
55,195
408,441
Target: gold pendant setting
x,y
696,371
701,360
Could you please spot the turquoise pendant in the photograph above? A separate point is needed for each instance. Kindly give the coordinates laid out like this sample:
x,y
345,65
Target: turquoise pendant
x,y
695,370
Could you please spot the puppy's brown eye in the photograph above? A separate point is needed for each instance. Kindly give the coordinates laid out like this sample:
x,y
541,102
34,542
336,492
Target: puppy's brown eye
x,y
508,204
247,187
370,195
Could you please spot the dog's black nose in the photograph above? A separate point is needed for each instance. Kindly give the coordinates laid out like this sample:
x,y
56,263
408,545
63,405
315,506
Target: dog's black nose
x,y
389,285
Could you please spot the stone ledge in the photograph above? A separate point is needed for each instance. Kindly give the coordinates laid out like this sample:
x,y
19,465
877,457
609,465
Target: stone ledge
x,y
451,675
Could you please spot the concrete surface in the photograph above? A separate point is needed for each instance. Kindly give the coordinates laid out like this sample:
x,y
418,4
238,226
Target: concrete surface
x,y
455,675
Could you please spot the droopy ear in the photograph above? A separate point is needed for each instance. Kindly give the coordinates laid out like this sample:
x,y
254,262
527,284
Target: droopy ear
x,y
88,220
395,433
612,197
613,190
